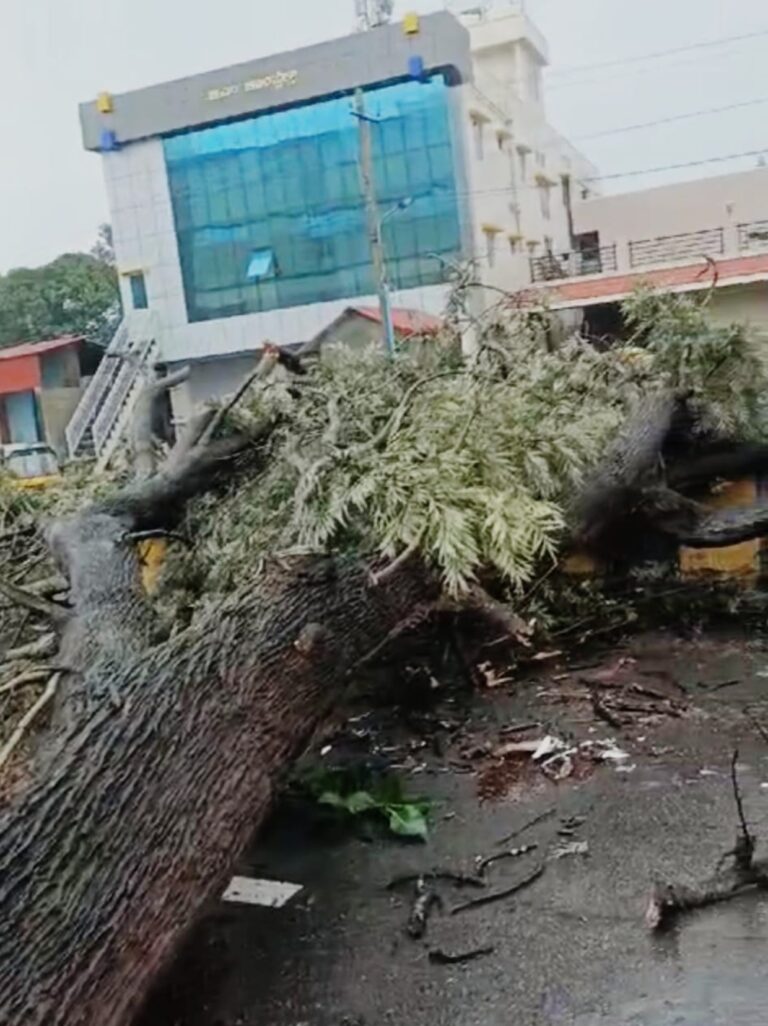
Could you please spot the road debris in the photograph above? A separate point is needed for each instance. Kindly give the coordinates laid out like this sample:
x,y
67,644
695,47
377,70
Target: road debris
x,y
667,901
564,851
719,685
541,657
439,957
570,824
426,899
487,899
528,826
491,678
459,879
483,862
518,748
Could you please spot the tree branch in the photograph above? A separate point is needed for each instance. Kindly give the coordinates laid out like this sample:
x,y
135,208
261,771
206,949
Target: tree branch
x,y
36,603
29,716
144,459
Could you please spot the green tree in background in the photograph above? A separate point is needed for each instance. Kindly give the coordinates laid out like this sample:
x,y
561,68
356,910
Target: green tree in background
x,y
75,294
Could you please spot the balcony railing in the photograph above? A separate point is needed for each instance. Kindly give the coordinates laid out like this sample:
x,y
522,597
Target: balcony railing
x,y
753,235
596,260
670,248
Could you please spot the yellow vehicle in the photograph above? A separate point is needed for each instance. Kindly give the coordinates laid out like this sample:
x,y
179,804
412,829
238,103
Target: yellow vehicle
x,y
31,465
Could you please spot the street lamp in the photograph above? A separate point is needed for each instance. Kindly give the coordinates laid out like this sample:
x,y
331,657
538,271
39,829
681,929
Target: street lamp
x,y
402,204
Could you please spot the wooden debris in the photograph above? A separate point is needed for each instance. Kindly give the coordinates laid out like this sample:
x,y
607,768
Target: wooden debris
x,y
426,900
439,957
527,826
513,853
667,901
487,899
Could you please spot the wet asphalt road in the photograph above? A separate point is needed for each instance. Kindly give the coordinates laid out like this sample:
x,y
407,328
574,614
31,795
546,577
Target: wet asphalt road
x,y
571,950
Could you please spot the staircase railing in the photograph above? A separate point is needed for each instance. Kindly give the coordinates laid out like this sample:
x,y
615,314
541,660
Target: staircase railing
x,y
97,389
131,368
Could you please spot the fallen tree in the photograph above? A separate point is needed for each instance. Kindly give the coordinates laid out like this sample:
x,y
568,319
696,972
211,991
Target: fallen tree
x,y
164,756
328,513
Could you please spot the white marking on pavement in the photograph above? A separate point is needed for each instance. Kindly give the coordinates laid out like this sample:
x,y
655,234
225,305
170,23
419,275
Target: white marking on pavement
x,y
269,893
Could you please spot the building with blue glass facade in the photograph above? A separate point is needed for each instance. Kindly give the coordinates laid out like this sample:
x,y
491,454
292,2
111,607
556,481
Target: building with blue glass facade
x,y
237,205
269,212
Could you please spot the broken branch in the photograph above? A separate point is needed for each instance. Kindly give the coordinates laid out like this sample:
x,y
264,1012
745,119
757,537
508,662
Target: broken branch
x,y
36,603
439,957
29,716
499,895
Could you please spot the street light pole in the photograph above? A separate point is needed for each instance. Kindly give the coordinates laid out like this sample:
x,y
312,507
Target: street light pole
x,y
374,222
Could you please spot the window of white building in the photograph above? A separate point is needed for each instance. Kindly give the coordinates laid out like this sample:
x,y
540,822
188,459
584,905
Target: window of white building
x,y
491,231
479,122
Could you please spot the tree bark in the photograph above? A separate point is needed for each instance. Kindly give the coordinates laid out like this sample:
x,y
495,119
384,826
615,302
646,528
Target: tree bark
x,y
162,757
640,486
154,789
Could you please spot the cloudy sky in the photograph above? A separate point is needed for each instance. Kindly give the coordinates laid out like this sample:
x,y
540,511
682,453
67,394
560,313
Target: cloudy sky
x,y
55,53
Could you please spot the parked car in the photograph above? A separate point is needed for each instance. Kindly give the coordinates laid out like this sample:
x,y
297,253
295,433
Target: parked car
x,y
31,465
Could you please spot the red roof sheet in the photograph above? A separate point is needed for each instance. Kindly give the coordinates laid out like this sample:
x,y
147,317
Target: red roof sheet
x,y
405,322
607,288
38,348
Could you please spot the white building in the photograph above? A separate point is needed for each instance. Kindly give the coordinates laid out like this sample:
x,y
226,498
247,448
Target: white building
x,y
684,237
238,211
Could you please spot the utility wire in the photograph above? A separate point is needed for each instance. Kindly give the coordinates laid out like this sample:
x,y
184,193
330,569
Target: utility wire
x,y
512,191
675,167
693,62
656,54
668,121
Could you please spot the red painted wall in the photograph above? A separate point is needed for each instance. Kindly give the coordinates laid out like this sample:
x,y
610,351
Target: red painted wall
x,y
19,374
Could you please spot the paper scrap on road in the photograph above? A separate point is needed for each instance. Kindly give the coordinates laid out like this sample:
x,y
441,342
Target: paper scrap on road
x,y
269,893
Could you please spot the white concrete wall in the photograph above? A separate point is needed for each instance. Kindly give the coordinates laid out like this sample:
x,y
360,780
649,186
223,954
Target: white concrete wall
x,y
741,304
719,202
508,55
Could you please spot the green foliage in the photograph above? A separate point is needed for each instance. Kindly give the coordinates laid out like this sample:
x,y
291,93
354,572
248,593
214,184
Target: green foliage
x,y
721,366
472,465
382,796
76,294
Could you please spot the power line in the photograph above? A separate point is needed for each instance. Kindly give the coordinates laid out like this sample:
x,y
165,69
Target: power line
x,y
676,167
692,61
655,55
668,121
513,191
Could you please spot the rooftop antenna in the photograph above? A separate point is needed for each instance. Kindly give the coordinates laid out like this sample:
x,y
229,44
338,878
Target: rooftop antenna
x,y
373,13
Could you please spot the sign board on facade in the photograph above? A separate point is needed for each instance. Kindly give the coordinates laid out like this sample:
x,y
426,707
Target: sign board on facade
x,y
279,80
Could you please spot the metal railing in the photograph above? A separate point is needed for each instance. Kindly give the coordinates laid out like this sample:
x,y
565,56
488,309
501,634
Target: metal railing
x,y
753,235
97,389
131,368
670,248
594,260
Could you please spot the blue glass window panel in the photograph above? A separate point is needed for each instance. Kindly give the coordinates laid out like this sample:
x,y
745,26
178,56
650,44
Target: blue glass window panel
x,y
288,183
261,264
138,285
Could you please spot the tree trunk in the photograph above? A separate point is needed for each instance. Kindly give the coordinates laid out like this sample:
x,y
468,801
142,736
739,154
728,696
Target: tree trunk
x,y
154,789
163,757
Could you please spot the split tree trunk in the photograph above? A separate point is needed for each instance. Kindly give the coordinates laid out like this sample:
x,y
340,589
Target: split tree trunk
x,y
640,486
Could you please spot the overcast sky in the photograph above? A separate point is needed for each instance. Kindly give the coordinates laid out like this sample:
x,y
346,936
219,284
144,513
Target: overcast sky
x,y
55,53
